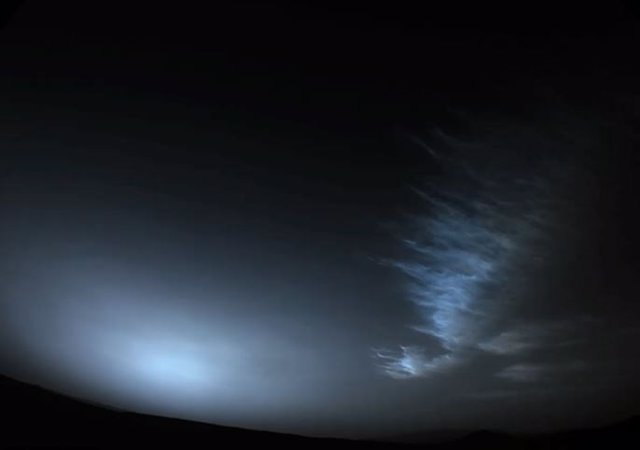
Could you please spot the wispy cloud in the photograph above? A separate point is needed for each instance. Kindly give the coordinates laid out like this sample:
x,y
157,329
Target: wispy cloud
x,y
517,340
485,229
535,372
460,252
531,336
412,361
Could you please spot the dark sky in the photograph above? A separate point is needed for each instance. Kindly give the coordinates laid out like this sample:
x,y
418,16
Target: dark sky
x,y
335,220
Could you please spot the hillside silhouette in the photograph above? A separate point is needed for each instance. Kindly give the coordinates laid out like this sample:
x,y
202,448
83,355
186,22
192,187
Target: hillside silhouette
x,y
34,416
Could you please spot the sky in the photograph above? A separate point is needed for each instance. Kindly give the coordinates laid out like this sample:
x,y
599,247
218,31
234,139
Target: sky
x,y
329,220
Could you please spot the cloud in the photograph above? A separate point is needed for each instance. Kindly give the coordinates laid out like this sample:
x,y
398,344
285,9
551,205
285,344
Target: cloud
x,y
464,259
412,362
541,334
524,373
493,225
536,372
513,341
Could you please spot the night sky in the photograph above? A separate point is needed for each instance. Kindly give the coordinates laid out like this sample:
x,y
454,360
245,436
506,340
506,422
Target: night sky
x,y
329,220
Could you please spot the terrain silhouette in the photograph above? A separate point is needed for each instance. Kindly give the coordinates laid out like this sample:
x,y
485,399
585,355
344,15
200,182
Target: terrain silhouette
x,y
34,416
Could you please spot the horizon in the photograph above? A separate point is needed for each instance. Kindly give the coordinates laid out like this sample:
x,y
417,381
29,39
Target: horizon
x,y
427,437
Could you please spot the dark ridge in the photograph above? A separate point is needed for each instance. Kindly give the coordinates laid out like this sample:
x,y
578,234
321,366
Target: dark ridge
x,y
428,437
487,439
35,416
